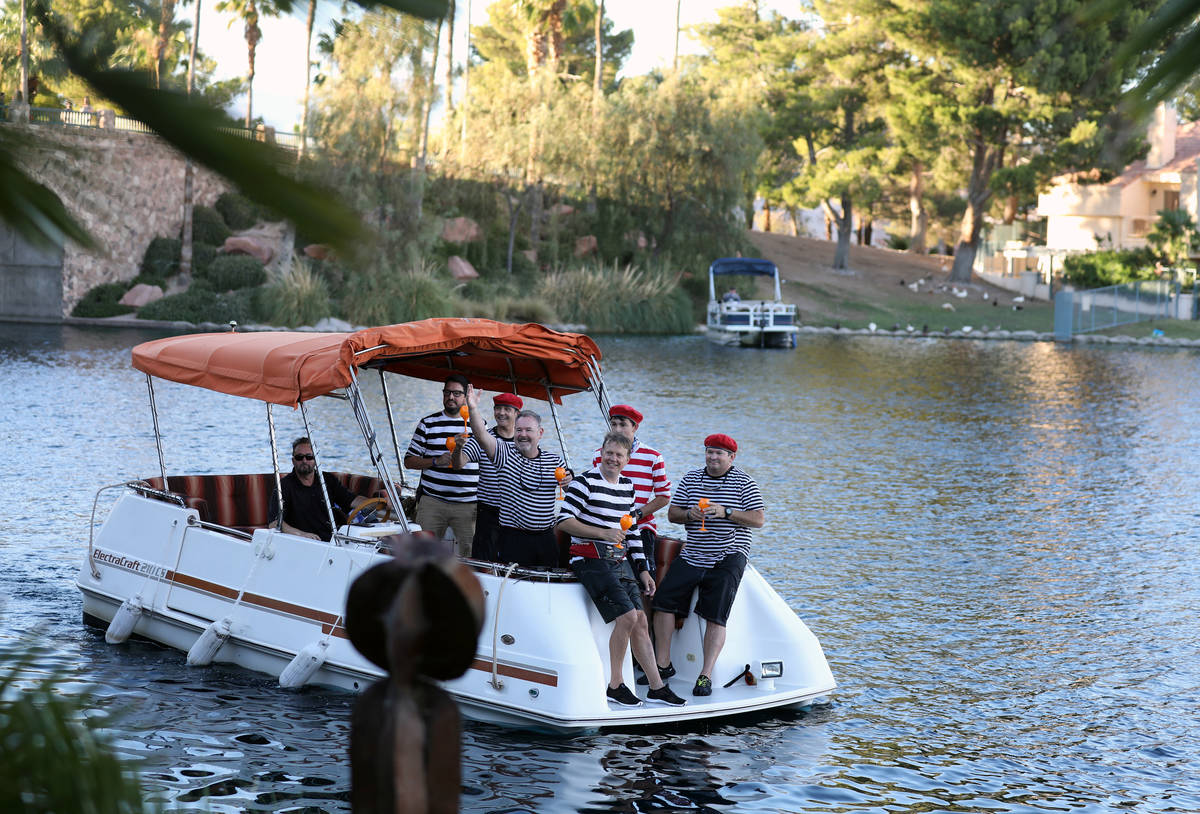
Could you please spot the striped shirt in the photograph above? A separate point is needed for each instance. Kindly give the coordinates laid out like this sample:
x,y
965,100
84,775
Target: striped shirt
x,y
489,484
720,537
593,500
444,483
648,471
528,488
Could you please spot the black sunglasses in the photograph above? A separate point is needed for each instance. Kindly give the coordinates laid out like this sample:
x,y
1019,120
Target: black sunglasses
x,y
304,457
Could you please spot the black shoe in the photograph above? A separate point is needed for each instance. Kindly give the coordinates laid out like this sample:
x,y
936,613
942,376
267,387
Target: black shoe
x,y
663,695
663,672
703,686
624,696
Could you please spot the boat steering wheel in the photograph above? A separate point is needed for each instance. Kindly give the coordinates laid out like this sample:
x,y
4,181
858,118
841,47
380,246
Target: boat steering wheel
x,y
375,504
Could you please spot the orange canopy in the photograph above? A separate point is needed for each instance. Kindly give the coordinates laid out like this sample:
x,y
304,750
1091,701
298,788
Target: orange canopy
x,y
290,367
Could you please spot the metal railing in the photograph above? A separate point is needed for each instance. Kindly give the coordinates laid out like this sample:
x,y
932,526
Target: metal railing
x,y
97,120
1099,308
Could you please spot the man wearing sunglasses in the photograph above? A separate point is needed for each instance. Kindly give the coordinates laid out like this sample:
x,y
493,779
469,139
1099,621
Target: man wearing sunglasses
x,y
304,512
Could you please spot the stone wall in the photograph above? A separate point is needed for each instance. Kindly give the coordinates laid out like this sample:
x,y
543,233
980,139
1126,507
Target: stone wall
x,y
125,188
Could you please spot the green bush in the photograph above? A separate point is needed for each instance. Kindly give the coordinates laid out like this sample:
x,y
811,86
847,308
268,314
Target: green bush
x,y
161,259
1109,267
299,297
237,211
208,227
203,254
102,301
202,305
385,294
612,299
230,272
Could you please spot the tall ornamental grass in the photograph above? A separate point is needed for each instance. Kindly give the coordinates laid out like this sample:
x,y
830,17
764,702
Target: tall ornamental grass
x,y
299,296
389,291
615,299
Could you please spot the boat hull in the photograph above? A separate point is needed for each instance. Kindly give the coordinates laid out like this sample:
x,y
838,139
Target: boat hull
x,y
542,656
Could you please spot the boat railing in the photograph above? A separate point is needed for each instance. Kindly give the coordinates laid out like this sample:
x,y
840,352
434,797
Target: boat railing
x,y
146,490
499,569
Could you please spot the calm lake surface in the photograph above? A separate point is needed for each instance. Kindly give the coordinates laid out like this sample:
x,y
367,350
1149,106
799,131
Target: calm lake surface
x,y
996,544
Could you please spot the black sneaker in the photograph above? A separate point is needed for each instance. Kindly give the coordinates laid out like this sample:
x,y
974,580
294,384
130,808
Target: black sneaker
x,y
703,686
663,672
624,696
663,695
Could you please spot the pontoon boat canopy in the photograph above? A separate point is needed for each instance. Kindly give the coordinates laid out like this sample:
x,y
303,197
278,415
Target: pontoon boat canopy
x,y
290,367
742,265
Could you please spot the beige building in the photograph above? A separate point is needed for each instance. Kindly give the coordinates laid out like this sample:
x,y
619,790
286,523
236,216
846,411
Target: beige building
x,y
1121,213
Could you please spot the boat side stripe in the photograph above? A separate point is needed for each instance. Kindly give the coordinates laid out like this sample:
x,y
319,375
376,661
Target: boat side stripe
x,y
522,673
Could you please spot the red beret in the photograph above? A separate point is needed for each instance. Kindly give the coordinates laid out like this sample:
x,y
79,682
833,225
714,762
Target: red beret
x,y
511,399
720,440
625,411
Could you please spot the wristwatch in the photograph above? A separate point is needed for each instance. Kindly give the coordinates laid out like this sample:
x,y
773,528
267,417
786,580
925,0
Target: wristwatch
x,y
728,512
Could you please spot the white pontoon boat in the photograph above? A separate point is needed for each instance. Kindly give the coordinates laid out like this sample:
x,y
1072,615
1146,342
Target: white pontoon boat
x,y
749,322
189,561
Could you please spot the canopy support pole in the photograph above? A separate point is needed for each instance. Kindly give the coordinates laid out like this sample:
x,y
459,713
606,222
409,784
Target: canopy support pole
x,y
275,463
557,427
387,406
320,475
354,394
162,465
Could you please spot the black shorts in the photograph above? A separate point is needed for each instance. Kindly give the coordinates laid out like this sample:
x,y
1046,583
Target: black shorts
x,y
530,549
487,526
611,585
718,587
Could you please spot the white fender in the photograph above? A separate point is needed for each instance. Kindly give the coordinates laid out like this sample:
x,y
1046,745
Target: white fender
x,y
123,621
304,666
210,641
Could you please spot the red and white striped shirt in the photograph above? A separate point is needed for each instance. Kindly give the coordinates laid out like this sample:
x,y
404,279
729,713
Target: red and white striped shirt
x,y
648,471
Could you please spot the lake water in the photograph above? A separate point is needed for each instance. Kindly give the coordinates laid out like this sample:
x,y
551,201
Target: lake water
x,y
995,543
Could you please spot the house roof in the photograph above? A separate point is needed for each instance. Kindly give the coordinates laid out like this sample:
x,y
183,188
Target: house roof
x,y
1187,150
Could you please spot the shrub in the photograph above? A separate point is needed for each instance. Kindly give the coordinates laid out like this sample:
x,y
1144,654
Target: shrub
x,y
385,294
611,299
1109,267
229,272
161,259
237,211
203,254
299,297
201,305
208,227
102,301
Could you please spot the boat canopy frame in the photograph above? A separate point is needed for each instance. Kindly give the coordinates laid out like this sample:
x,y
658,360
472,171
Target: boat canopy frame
x,y
754,266
291,368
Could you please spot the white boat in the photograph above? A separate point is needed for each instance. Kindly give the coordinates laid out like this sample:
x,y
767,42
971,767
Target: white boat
x,y
188,560
749,322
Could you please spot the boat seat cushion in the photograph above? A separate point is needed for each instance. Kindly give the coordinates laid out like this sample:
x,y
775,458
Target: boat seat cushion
x,y
242,501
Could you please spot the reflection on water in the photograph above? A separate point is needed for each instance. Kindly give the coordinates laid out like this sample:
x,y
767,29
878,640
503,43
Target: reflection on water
x,y
994,542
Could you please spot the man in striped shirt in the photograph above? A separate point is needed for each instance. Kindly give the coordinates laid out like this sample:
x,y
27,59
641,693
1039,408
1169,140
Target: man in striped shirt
x,y
528,487
605,557
647,470
718,543
447,494
505,407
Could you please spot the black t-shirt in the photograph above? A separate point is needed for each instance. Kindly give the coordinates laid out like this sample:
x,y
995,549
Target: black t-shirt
x,y
304,508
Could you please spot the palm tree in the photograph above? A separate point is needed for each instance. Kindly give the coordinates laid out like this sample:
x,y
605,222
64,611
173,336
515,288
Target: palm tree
x,y
248,11
308,29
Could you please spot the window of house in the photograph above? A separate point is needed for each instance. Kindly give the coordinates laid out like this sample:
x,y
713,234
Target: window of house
x,y
1170,199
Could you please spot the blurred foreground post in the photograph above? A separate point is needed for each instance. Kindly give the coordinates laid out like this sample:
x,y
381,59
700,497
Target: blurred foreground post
x,y
418,617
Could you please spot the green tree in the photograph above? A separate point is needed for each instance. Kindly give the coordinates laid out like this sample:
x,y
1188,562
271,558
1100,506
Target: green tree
x,y
1019,76
1174,236
248,11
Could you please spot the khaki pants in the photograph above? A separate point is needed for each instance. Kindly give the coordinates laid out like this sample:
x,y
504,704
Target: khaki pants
x,y
435,516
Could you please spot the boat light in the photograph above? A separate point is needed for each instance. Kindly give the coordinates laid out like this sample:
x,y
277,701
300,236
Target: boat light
x,y
770,669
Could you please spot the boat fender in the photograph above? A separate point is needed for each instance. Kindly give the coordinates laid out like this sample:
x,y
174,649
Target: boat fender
x,y
210,641
123,621
304,666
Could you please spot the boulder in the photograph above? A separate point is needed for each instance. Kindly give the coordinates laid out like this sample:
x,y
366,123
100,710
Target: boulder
x,y
265,242
530,255
318,251
142,294
561,209
461,230
461,269
586,245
